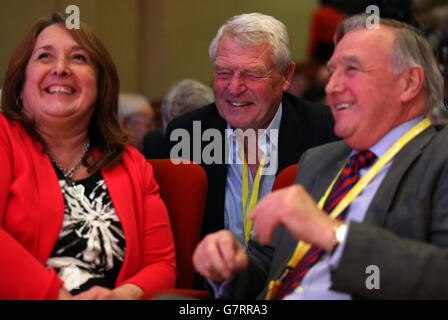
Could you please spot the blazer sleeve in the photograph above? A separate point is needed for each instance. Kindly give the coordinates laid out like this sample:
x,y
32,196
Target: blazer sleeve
x,y
22,276
405,268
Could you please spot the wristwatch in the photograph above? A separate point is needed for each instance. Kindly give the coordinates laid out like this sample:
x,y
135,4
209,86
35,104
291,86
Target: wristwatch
x,y
339,234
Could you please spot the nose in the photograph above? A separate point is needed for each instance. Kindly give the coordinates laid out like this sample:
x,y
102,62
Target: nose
x,y
61,67
236,85
335,84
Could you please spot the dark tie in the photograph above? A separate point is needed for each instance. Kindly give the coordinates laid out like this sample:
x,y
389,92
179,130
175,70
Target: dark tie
x,y
347,179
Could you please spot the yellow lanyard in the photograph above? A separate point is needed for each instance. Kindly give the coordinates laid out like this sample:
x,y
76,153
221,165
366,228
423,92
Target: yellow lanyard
x,y
254,196
303,247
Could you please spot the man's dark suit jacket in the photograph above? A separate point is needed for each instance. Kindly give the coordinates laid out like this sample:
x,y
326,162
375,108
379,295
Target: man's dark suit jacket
x,y
303,125
404,232
155,145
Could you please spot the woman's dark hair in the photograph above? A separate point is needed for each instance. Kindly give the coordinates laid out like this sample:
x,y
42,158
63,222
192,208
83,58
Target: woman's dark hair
x,y
105,132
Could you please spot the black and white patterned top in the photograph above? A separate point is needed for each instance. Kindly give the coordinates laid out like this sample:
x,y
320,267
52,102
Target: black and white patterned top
x,y
91,246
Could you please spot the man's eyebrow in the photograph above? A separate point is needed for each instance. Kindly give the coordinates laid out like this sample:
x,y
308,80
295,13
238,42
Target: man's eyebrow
x,y
256,70
346,59
352,59
218,65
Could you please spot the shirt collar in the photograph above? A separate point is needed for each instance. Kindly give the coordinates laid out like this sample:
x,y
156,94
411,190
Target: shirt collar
x,y
274,125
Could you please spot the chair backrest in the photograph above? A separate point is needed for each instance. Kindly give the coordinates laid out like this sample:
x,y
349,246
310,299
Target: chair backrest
x,y
183,188
286,177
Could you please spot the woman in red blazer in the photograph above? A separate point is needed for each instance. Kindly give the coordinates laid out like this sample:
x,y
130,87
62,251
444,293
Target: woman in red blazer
x,y
80,214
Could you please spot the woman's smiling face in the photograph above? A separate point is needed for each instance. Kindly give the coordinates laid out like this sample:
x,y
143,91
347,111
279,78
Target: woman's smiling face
x,y
60,78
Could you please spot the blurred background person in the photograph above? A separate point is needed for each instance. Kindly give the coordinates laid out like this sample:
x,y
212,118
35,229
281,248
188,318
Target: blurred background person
x,y
300,82
137,117
80,215
324,21
432,18
309,80
184,96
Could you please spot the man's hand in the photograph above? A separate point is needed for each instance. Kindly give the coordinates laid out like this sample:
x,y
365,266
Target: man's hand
x,y
297,211
219,256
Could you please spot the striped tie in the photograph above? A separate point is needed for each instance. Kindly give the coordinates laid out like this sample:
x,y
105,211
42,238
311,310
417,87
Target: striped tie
x,y
345,182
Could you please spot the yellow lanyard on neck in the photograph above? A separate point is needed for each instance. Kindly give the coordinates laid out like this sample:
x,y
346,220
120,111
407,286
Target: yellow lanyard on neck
x,y
253,197
303,247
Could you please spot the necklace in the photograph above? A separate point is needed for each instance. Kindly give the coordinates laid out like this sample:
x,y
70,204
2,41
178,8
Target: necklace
x,y
68,174
76,190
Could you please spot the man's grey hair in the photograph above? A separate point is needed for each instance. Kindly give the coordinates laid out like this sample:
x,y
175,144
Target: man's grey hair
x,y
410,49
253,29
185,96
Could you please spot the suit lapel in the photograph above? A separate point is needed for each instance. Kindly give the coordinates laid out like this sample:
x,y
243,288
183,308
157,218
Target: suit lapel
x,y
216,175
326,176
384,197
322,181
289,142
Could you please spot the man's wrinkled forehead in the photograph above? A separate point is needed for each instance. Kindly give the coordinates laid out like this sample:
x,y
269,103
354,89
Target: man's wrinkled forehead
x,y
369,31
365,39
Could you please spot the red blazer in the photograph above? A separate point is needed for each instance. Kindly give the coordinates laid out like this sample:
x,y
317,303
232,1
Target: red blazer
x,y
32,210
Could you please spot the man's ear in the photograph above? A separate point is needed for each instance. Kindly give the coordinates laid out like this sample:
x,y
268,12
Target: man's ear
x,y
413,79
287,75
